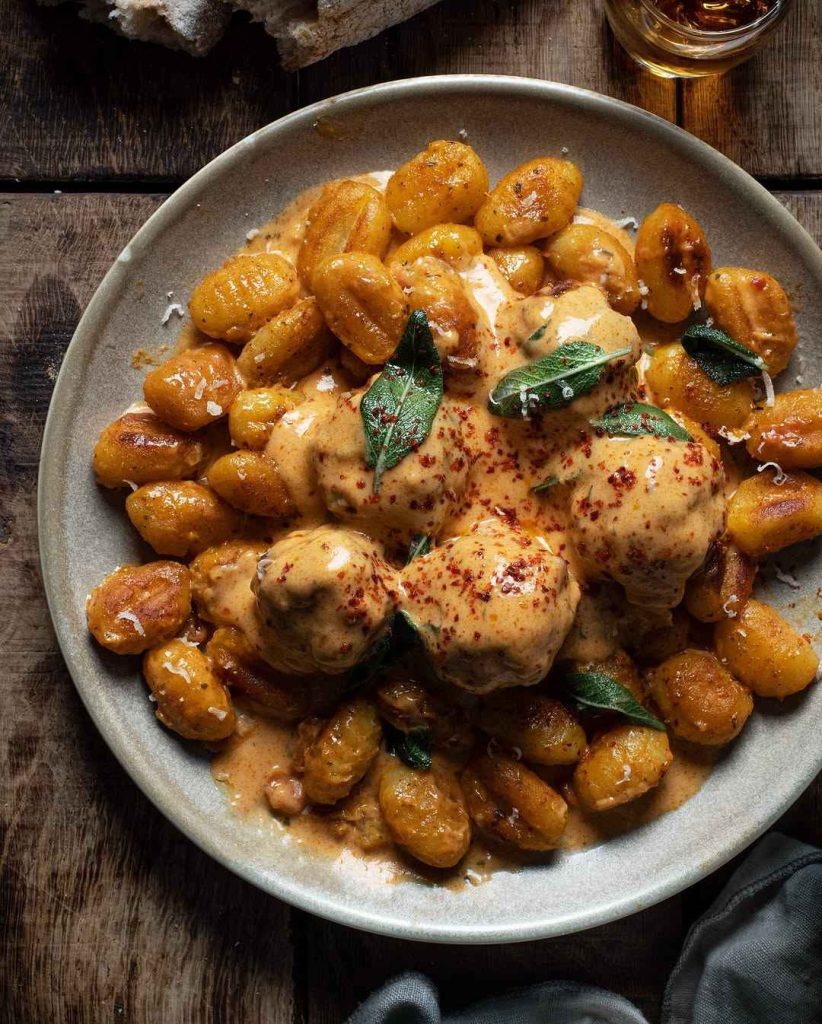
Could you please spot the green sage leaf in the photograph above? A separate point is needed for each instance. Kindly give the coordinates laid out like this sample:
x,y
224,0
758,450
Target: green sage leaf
x,y
636,419
601,691
546,485
553,382
420,545
716,353
399,408
412,747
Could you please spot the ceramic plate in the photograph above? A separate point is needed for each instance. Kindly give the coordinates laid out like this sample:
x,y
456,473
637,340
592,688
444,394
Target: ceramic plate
x,y
631,160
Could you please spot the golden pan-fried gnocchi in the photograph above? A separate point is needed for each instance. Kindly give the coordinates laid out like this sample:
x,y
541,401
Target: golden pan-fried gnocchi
x,y
425,813
621,765
348,216
431,285
773,509
789,432
678,383
211,574
362,304
266,357
195,388
236,300
255,411
673,261
752,307
513,805
522,266
251,483
445,183
543,730
699,699
342,752
454,244
533,201
190,699
424,600
181,518
139,606
722,586
139,448
765,651
236,664
588,255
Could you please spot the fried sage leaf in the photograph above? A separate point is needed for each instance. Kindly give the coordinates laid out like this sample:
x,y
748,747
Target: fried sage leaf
x,y
399,408
716,353
412,747
600,691
420,545
552,382
636,419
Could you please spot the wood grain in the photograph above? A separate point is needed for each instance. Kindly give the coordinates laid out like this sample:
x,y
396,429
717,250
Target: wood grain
x,y
83,104
108,913
767,114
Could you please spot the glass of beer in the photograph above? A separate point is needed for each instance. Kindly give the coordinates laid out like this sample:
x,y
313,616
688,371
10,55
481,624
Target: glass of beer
x,y
691,38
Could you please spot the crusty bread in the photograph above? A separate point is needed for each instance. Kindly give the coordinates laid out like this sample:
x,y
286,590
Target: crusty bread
x,y
309,31
305,30
190,25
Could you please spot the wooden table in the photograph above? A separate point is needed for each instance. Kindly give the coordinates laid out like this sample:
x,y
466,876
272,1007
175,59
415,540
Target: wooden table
x,y
108,913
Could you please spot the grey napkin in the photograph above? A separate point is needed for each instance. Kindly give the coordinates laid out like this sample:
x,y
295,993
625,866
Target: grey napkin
x,y
754,958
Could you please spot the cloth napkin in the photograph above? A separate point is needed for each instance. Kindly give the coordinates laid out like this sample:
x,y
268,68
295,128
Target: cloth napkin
x,y
755,957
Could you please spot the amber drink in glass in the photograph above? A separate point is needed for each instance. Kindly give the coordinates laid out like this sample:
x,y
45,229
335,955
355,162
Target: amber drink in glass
x,y
691,38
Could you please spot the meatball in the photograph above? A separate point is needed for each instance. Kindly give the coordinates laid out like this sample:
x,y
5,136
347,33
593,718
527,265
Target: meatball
x,y
645,514
324,598
416,495
543,322
492,607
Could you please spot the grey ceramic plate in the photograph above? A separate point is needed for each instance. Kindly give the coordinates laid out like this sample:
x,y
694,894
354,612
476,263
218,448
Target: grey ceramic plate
x,y
631,161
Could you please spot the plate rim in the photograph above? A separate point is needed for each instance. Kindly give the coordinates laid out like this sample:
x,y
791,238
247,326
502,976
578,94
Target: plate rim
x,y
326,905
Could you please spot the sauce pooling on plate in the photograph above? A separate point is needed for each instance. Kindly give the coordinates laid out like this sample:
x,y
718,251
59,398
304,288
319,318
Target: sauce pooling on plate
x,y
446,516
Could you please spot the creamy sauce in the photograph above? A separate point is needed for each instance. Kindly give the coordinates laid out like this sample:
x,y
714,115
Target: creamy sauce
x,y
246,762
317,447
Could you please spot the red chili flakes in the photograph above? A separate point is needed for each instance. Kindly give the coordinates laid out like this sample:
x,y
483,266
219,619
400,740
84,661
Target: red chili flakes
x,y
622,479
693,454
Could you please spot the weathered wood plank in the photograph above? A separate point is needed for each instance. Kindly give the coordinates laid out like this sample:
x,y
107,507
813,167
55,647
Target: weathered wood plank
x,y
108,912
82,103
767,114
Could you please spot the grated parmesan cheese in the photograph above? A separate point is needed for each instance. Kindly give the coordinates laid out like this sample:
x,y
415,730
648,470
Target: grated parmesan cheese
x,y
132,618
769,393
213,409
654,467
786,578
780,475
171,308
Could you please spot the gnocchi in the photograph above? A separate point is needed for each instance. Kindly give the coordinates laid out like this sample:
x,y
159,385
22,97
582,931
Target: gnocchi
x,y
477,599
